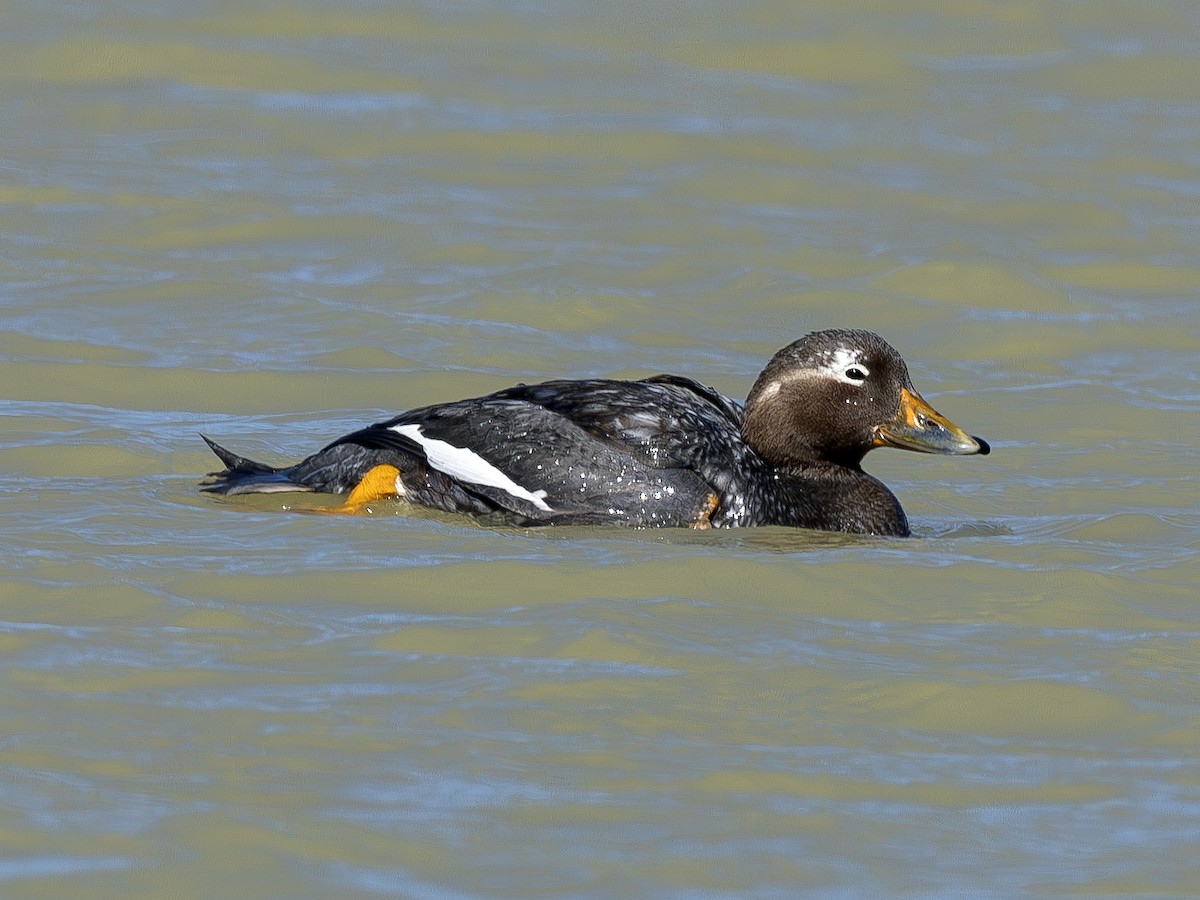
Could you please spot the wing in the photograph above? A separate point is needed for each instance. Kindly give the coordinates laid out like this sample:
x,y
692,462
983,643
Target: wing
x,y
667,422
574,451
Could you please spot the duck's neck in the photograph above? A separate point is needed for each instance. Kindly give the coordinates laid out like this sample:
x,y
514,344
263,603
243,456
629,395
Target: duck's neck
x,y
790,433
840,498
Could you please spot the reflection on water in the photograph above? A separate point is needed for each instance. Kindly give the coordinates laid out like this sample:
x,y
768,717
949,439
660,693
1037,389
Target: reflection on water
x,y
276,225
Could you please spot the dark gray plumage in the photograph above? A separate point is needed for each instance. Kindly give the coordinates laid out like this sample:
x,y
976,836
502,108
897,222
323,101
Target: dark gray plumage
x,y
663,451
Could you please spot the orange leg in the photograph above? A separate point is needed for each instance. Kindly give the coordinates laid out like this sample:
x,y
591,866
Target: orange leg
x,y
379,483
704,520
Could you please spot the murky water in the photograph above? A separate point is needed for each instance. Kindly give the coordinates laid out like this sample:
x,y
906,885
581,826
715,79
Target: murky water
x,y
273,225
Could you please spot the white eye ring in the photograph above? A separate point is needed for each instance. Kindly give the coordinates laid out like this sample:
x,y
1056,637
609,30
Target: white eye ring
x,y
846,366
855,374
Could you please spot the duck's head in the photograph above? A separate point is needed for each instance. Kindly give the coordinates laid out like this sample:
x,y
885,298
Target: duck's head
x,y
833,396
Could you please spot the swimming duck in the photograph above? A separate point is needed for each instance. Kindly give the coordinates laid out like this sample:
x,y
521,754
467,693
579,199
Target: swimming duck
x,y
662,451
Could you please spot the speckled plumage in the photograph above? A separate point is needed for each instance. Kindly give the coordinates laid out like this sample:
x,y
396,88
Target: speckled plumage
x,y
663,451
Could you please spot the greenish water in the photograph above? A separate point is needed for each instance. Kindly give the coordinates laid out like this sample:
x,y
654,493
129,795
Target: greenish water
x,y
276,224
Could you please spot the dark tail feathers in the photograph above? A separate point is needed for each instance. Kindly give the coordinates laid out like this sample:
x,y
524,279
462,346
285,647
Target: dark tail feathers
x,y
245,476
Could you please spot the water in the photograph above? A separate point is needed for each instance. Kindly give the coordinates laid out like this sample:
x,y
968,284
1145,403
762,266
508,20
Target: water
x,y
275,225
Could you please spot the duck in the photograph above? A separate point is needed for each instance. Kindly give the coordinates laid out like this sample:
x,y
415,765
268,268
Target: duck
x,y
663,451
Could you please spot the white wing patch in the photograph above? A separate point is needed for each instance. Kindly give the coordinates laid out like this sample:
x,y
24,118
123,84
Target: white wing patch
x,y
469,466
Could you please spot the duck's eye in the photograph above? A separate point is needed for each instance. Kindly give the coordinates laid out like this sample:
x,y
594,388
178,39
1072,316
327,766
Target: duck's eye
x,y
856,373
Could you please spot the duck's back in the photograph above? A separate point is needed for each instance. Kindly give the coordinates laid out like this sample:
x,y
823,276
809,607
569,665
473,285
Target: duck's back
x,y
653,452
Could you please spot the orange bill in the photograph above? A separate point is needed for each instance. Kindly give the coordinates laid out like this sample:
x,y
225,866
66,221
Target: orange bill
x,y
920,427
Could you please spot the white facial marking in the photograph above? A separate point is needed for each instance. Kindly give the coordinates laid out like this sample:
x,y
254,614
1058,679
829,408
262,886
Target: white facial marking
x,y
770,390
459,462
843,363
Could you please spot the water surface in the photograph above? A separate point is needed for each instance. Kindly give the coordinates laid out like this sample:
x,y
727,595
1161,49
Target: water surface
x,y
274,225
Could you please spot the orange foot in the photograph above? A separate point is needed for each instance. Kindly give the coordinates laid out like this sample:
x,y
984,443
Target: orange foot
x,y
379,483
704,520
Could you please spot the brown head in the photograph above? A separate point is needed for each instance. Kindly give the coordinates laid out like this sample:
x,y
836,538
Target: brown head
x,y
833,396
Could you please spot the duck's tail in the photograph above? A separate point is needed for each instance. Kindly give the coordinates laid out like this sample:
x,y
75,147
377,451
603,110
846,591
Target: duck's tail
x,y
337,469
245,476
